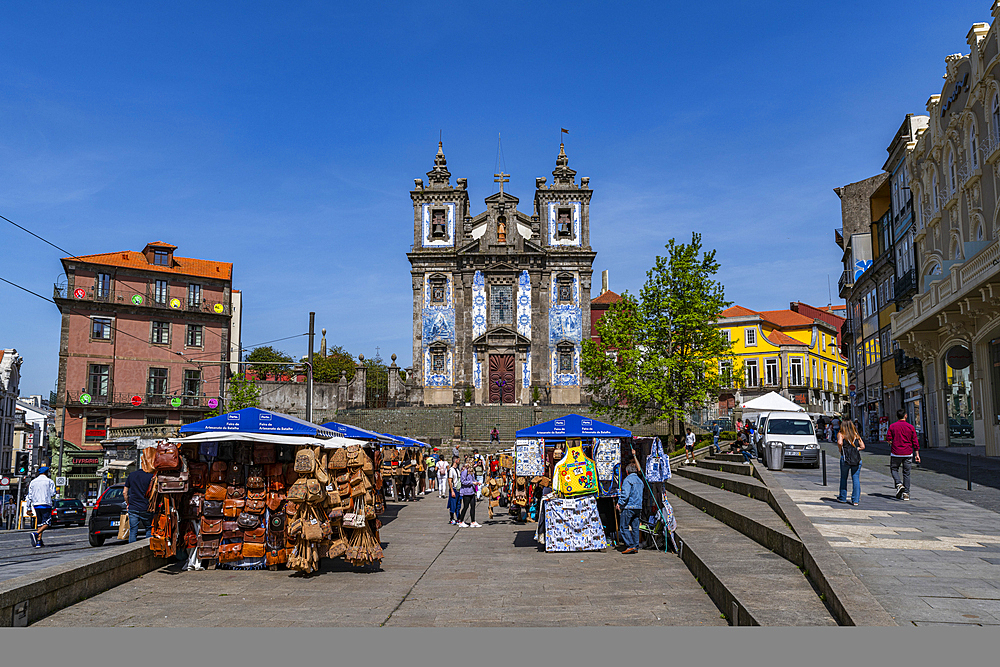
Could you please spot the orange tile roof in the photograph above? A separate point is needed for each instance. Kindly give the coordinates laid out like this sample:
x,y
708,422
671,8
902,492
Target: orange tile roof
x,y
738,311
779,338
608,297
185,266
786,318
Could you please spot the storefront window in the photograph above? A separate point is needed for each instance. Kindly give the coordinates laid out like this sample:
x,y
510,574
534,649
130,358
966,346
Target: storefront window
x,y
958,396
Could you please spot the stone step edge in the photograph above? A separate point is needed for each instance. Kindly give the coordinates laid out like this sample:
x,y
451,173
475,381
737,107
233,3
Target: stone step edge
x,y
786,544
845,595
723,595
744,485
725,466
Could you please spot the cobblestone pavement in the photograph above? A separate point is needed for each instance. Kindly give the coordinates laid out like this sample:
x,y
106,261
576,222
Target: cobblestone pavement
x,y
433,574
933,560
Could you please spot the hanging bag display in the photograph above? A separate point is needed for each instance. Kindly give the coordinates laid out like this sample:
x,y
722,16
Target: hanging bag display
x,y
167,457
656,467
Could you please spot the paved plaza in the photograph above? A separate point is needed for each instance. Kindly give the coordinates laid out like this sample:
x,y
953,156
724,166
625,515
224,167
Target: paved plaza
x,y
433,574
932,560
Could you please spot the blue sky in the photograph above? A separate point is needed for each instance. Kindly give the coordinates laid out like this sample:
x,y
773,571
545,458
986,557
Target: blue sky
x,y
285,139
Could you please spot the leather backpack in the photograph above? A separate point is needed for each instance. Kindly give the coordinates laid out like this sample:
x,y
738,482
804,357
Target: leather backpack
x,y
168,457
218,473
211,526
198,473
256,535
276,523
173,481
212,509
305,461
234,474
215,492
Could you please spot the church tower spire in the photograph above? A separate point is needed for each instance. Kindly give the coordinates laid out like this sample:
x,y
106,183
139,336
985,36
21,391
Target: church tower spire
x,y
439,176
562,175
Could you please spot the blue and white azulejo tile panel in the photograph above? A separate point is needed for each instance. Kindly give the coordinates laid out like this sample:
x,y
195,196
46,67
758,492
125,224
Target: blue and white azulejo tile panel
x,y
524,305
438,326
437,379
478,304
425,215
477,370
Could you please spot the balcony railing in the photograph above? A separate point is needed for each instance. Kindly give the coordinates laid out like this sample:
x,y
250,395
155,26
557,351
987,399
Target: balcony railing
x,y
125,400
845,284
906,285
83,293
989,145
150,299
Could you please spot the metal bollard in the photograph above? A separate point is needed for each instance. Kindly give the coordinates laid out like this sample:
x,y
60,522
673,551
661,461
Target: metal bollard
x,y
823,454
968,470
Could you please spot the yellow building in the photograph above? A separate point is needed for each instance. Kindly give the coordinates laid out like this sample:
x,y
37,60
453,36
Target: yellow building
x,y
795,352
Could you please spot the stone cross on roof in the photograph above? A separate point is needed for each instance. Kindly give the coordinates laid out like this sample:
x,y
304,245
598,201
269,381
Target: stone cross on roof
x,y
501,178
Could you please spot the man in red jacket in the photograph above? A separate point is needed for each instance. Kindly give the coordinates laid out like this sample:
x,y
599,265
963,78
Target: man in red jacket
x,y
903,438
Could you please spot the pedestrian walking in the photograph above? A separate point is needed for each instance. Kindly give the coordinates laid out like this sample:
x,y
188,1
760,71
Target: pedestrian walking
x,y
495,436
469,490
137,495
454,450
850,445
630,507
903,451
689,441
41,491
430,465
442,477
454,488
479,470
715,437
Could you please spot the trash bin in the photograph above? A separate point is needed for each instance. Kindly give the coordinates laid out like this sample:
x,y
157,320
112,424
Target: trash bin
x,y
775,455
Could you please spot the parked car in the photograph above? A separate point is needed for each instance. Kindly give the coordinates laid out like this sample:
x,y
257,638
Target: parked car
x,y
796,432
68,512
959,428
104,520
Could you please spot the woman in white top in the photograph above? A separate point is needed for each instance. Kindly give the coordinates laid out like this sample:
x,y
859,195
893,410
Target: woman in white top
x,y
442,478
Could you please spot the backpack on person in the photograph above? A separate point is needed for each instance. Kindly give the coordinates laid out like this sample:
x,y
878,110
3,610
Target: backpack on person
x,y
852,455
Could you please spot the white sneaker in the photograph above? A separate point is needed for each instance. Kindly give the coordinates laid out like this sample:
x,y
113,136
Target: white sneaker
x,y
463,525
475,525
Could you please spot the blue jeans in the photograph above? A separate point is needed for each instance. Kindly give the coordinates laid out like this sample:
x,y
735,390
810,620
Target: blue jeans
x,y
746,455
133,524
855,472
630,527
453,506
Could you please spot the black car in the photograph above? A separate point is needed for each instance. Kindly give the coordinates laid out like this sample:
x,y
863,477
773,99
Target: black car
x,y
68,512
107,514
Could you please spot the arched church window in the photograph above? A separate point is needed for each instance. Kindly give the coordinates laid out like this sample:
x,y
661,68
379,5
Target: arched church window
x,y
564,288
438,286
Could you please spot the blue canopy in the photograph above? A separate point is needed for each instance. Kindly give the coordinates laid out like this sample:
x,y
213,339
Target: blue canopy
x,y
406,442
255,420
359,433
573,426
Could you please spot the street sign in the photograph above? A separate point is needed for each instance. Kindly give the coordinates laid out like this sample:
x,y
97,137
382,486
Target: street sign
x,y
79,293
4,481
137,401
176,402
4,487
218,308
60,481
175,303
85,399
213,402
853,387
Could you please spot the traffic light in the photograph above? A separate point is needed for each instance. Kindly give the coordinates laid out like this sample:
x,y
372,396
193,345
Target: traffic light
x,y
21,464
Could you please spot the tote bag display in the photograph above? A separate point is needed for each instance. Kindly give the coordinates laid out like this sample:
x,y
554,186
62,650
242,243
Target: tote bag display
x,y
657,465
608,457
529,460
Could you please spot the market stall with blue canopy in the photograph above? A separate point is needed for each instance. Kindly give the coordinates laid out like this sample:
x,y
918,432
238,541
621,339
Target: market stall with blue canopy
x,y
251,481
358,433
568,464
396,470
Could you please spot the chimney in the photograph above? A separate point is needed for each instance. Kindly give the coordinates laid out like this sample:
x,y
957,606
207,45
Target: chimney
x,y
604,281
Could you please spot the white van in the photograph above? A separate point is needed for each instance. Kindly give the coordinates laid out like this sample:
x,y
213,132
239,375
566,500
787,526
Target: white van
x,y
796,432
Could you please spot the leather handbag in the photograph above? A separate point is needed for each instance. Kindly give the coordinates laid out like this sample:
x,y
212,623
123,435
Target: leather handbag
x,y
230,552
230,531
230,526
232,507
276,522
225,451
192,508
235,492
215,492
315,492
253,550
168,457
198,474
208,450
354,455
257,494
208,549
293,529
173,481
243,454
257,535
255,506
248,521
217,475
291,508
212,508
256,482
263,454
275,556
335,515
274,501
210,526
234,475
284,453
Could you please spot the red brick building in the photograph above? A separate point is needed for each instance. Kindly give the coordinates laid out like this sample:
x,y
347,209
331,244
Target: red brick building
x,y
137,331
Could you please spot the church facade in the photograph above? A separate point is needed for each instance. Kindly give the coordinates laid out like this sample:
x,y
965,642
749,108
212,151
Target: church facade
x,y
501,299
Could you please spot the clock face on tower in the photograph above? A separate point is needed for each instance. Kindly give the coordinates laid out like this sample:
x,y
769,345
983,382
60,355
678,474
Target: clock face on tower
x,y
438,222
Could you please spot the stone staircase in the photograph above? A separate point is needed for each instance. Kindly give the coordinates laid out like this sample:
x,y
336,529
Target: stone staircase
x,y
736,527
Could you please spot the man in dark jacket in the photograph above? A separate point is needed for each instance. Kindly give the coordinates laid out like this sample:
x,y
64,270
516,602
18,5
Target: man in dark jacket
x,y
904,447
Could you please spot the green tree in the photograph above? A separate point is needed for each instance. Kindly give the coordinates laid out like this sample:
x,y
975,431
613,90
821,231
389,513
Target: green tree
x,y
269,355
659,353
243,393
329,368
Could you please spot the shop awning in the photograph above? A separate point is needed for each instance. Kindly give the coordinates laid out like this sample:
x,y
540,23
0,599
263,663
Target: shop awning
x,y
573,426
403,441
772,402
359,433
255,420
273,438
